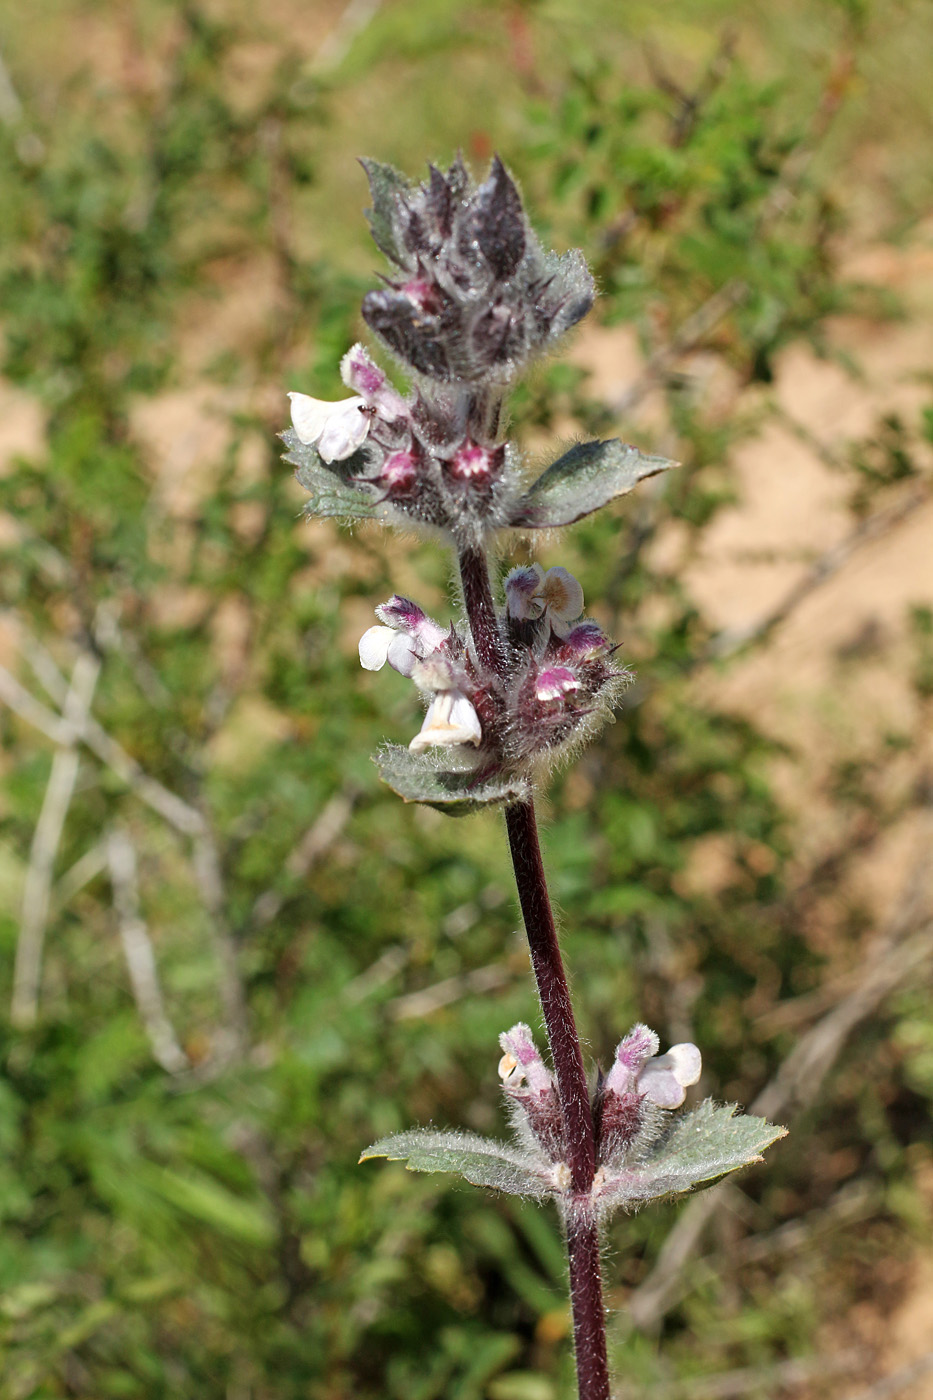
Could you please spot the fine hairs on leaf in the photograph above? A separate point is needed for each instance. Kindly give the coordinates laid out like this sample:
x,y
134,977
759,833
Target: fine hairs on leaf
x,y
521,678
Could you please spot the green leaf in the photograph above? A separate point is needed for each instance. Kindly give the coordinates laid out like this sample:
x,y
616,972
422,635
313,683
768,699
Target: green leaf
x,y
700,1146
586,478
330,487
442,780
206,1200
479,1160
386,185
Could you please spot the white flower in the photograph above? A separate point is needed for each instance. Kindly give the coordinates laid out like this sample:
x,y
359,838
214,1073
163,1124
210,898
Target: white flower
x,y
336,429
556,596
664,1079
382,644
451,719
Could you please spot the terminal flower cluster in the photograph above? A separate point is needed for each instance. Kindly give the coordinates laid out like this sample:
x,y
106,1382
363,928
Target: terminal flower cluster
x,y
471,299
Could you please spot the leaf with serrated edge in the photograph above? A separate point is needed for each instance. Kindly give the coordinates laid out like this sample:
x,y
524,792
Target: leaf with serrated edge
x,y
329,488
386,184
479,1160
441,780
707,1143
587,477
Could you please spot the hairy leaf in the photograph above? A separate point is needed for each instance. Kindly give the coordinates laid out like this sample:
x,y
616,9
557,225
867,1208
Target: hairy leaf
x,y
479,1160
440,780
702,1145
331,488
385,218
568,293
587,477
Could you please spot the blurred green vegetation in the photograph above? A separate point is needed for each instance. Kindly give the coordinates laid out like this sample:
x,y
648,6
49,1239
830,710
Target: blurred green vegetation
x,y
182,240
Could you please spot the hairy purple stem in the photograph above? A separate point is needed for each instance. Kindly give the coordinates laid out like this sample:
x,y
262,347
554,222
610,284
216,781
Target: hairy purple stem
x,y
477,595
554,992
586,1297
589,1318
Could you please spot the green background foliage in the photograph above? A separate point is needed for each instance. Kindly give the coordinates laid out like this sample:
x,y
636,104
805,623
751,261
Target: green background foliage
x,y
182,240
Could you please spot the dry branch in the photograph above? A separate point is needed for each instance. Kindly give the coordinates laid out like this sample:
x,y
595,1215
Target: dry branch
x,y
209,877
889,1386
140,958
777,1379
27,972
734,639
317,840
168,805
900,952
413,1005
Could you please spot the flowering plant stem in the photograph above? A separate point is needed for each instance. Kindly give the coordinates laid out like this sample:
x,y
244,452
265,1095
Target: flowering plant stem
x,y
582,1236
586,1291
472,298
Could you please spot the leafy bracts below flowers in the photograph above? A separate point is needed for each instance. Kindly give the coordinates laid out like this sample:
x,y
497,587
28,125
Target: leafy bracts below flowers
x,y
556,682
473,298
645,1150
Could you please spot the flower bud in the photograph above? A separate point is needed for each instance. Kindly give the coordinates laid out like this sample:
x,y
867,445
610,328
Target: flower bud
x,y
585,641
555,683
359,372
529,1086
640,1082
475,464
399,472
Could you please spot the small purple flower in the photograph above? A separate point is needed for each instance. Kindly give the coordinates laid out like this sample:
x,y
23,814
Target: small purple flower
x,y
640,1084
521,586
555,683
555,596
418,647
339,428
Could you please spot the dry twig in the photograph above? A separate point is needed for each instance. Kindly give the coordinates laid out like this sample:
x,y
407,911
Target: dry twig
x,y
735,639
317,840
140,958
889,1386
900,952
209,877
413,1005
782,1376
27,972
